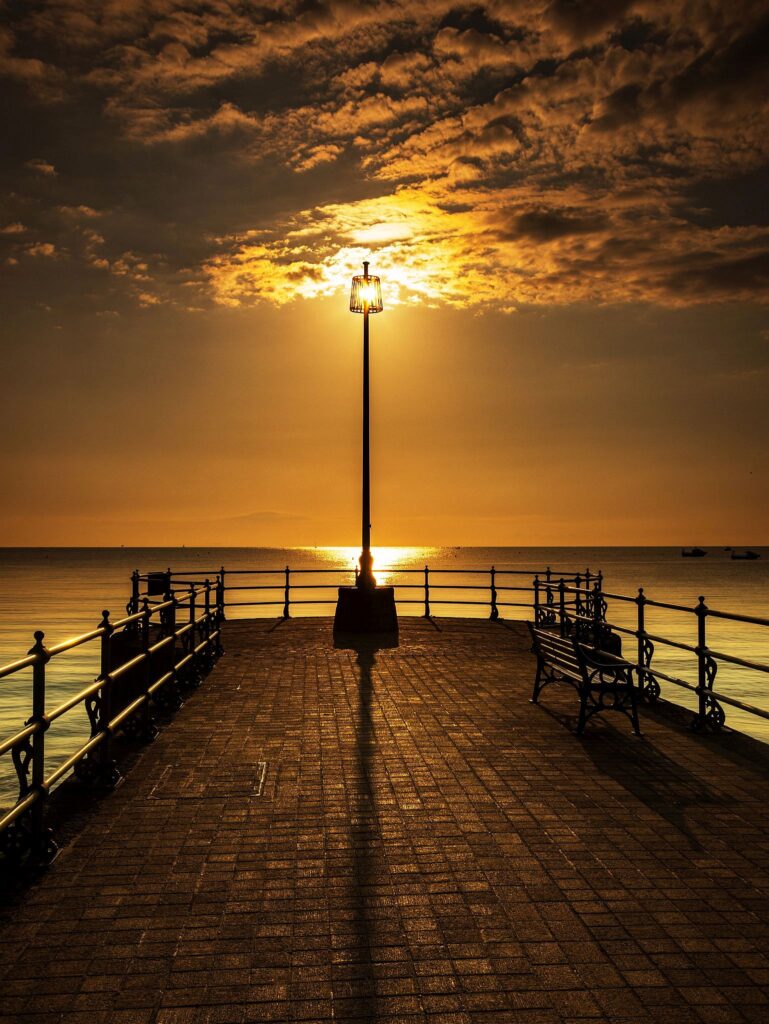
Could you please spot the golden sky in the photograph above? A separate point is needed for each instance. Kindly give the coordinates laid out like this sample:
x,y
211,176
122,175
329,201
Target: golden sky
x,y
566,202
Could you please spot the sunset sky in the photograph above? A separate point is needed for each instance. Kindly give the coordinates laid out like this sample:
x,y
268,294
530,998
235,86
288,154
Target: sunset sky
x,y
566,202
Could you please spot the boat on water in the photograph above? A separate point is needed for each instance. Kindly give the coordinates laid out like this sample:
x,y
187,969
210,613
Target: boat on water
x,y
692,553
745,556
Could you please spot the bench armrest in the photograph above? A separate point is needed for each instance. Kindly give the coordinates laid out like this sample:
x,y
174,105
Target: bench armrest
x,y
593,656
605,662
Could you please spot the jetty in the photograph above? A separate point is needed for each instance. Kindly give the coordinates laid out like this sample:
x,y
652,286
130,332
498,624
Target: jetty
x,y
387,829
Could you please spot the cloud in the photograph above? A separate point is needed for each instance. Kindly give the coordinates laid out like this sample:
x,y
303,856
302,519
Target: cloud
x,y
474,50
316,155
37,75
584,20
80,212
557,142
16,228
264,516
428,252
41,166
548,225
734,278
41,249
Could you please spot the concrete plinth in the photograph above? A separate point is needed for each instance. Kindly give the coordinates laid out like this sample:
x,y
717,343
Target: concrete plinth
x,y
364,610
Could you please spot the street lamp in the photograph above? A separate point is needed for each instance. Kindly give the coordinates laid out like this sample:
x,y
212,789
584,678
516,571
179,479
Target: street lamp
x,y
365,298
366,608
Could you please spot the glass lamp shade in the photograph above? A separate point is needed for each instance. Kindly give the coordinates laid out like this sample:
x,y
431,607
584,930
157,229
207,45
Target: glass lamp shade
x,y
366,294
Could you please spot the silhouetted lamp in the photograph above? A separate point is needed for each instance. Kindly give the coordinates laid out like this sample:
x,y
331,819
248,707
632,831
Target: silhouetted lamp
x,y
366,608
366,293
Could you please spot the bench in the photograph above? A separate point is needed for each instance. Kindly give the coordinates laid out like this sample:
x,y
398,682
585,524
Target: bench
x,y
603,681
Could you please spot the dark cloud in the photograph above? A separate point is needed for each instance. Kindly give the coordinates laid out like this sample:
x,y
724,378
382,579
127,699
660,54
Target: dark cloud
x,y
742,277
619,108
546,226
738,71
583,19
217,150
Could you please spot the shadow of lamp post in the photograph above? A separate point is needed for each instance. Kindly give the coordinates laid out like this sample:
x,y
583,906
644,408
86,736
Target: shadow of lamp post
x,y
366,608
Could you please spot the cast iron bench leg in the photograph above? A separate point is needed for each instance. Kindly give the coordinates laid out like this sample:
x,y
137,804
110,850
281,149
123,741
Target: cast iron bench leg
x,y
582,710
537,680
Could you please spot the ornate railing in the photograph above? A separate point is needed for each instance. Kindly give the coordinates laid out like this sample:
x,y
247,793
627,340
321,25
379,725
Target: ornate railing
x,y
583,610
172,635
572,602
147,659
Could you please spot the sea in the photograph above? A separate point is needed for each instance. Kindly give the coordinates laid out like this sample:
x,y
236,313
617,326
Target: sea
x,y
63,592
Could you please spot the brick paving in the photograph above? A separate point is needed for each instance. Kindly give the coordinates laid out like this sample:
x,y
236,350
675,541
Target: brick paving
x,y
428,846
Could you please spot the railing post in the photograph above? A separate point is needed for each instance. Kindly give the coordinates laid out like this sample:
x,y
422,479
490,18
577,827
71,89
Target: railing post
x,y
549,614
562,606
597,599
44,849
108,772
133,602
427,592
648,687
536,600
641,638
701,612
287,594
193,635
221,593
147,730
494,615
207,623
710,711
145,640
219,615
171,631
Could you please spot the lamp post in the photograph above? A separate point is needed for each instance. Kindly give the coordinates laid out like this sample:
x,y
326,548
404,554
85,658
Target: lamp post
x,y
366,608
366,298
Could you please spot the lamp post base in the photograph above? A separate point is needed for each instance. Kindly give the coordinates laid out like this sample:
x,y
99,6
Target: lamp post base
x,y
366,610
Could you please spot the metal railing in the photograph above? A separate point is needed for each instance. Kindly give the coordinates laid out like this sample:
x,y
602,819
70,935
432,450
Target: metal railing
x,y
573,602
149,655
146,659
582,611
489,588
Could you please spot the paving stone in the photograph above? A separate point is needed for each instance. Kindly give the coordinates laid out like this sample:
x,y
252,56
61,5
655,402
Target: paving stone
x,y
428,846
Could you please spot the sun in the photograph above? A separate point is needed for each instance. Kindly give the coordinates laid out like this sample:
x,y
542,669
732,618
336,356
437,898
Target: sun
x,y
388,560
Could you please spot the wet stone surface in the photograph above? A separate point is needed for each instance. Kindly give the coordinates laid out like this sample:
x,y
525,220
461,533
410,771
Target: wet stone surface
x,y
427,846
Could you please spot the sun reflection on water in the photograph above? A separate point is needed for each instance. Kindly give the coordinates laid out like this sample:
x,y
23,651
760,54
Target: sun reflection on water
x,y
388,561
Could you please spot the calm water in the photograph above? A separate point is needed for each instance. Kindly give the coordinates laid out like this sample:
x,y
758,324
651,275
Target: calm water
x,y
63,591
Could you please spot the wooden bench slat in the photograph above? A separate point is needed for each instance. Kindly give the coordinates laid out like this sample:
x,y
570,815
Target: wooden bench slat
x,y
565,650
562,652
